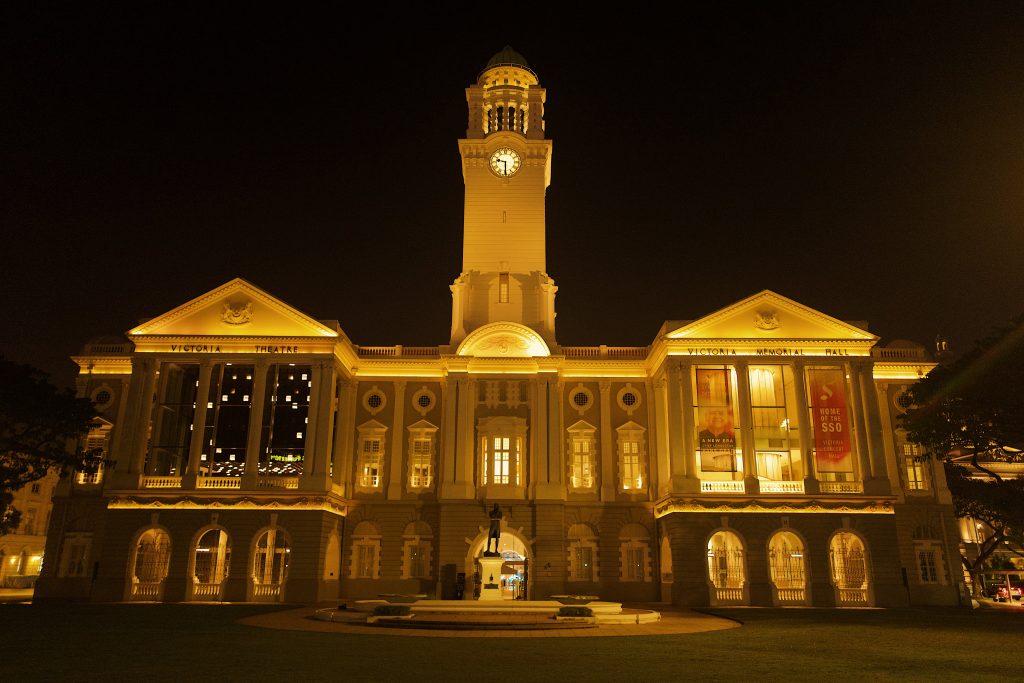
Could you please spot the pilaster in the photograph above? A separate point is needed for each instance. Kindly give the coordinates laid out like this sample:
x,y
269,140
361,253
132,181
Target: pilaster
x,y
397,443
607,451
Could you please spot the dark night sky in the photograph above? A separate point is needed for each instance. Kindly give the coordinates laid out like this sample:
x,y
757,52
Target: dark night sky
x,y
864,159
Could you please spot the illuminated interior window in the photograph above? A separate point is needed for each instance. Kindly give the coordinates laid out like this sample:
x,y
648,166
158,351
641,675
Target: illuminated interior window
x,y
227,420
150,561
173,414
421,455
503,282
776,432
286,414
501,449
582,454
914,467
717,432
632,465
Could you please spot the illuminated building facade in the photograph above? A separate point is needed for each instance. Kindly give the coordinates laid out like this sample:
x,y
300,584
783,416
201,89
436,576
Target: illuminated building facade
x,y
749,456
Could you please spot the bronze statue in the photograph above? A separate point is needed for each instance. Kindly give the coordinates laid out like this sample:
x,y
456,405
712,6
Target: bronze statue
x,y
495,532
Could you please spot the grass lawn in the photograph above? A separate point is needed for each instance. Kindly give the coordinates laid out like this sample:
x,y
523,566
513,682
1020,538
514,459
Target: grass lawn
x,y
200,642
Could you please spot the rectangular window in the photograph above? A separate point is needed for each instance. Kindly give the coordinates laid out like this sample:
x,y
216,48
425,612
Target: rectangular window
x,y
584,557
370,460
635,559
366,561
914,468
717,426
285,419
420,455
926,565
417,564
582,462
776,433
500,460
503,288
28,522
36,488
173,414
229,408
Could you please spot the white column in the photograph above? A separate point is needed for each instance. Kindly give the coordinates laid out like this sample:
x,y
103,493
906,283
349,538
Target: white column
x,y
143,416
661,418
344,434
861,442
743,411
674,398
873,427
806,430
688,450
195,447
250,475
398,440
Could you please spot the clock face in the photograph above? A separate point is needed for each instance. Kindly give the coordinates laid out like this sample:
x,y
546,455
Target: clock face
x,y
505,162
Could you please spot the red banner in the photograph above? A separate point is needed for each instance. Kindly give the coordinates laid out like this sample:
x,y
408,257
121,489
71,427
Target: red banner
x,y
830,419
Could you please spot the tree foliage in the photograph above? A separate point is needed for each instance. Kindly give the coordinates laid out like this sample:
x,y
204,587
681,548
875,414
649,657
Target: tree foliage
x,y
970,413
40,431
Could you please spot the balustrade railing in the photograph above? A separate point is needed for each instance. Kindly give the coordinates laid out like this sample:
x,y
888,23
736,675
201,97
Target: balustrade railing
x,y
161,482
782,486
707,486
276,482
218,482
146,590
210,591
842,487
727,596
853,597
791,596
266,592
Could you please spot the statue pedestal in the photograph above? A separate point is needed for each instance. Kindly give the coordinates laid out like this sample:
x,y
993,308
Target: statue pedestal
x,y
490,578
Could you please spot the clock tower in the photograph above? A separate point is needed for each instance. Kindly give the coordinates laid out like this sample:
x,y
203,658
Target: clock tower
x,y
506,166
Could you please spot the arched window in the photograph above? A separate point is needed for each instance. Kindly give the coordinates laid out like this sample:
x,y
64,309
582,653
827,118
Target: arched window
x,y
848,557
726,569
788,565
151,559
635,553
211,559
365,551
416,550
270,560
582,553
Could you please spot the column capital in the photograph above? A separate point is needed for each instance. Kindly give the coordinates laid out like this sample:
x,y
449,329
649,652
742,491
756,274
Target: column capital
x,y
605,385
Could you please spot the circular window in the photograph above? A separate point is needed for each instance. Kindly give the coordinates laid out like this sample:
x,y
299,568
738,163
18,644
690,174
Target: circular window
x,y
904,400
628,398
580,399
102,397
373,400
423,400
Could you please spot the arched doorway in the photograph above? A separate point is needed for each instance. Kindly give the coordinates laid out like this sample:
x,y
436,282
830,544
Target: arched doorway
x,y
515,568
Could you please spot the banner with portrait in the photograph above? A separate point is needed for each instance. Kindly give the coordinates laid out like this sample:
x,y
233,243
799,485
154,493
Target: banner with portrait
x,y
716,438
830,419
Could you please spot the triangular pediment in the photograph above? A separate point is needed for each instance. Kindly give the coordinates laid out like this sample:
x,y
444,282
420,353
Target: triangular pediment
x,y
768,315
631,427
422,425
236,308
581,426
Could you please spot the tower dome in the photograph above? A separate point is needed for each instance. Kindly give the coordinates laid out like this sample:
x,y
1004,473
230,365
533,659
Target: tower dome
x,y
508,57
